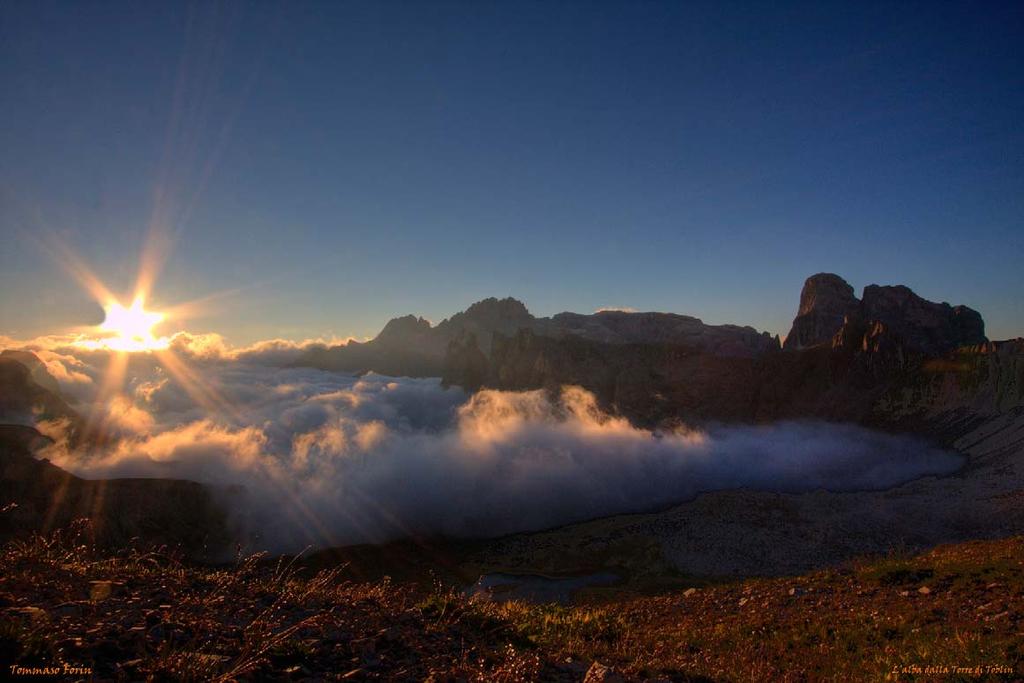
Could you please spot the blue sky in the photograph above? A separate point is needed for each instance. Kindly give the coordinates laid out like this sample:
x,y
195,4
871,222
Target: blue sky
x,y
336,164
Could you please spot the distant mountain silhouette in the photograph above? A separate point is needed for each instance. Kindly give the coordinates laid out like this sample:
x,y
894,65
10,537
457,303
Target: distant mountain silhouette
x,y
412,346
29,394
36,367
890,357
38,496
845,358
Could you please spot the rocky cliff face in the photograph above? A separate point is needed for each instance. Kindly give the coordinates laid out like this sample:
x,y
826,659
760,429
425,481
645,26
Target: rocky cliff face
x,y
970,384
921,325
829,313
844,359
891,359
649,383
825,301
485,318
620,327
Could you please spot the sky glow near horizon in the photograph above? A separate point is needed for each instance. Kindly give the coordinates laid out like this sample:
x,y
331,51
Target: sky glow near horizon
x,y
312,170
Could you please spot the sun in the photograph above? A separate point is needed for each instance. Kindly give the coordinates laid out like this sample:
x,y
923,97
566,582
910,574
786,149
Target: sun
x,y
131,328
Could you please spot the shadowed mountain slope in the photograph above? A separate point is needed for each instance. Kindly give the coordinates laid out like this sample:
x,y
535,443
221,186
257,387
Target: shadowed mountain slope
x,y
29,394
891,359
37,496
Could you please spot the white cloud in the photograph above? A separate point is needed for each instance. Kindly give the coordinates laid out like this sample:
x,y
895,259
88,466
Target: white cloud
x,y
329,459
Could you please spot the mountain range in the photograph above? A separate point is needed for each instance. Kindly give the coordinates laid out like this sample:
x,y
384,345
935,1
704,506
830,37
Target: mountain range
x,y
889,359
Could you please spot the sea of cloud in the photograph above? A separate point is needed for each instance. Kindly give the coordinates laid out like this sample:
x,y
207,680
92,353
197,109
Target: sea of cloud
x,y
328,459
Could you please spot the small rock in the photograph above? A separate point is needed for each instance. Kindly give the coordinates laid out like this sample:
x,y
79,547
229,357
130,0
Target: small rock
x,y
68,609
924,590
744,601
101,590
599,673
688,592
904,593
33,613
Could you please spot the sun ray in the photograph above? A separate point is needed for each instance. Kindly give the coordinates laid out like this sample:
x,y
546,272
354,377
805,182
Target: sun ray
x,y
200,306
95,431
200,391
56,501
73,265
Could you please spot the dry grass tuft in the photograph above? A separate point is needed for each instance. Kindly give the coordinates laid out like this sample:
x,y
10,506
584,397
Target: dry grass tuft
x,y
143,614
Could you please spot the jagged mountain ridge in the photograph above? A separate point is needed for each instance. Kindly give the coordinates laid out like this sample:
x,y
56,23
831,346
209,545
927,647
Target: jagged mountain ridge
x,y
411,346
828,306
873,372
888,359
844,359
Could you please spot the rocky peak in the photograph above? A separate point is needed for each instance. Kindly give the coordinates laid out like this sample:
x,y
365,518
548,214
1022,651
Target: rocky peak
x,y
403,329
886,318
493,313
825,301
36,367
486,317
921,324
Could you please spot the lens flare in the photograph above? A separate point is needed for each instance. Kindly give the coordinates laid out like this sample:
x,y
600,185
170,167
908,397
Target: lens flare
x,y
131,327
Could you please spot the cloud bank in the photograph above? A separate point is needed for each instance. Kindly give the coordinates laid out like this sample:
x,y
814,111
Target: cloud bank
x,y
330,459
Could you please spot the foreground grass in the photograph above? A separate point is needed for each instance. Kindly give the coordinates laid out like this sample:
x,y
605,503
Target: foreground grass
x,y
956,613
145,616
